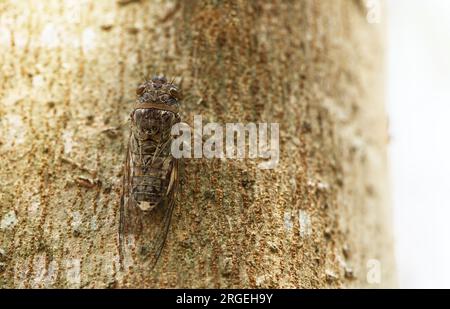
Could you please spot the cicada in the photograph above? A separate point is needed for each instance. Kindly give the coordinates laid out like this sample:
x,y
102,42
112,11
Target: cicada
x,y
150,180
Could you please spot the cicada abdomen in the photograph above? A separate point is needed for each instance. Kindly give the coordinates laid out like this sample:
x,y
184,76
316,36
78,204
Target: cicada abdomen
x,y
151,173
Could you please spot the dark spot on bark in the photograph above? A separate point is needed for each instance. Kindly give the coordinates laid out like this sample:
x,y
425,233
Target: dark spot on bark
x,y
209,195
144,250
106,27
306,127
76,232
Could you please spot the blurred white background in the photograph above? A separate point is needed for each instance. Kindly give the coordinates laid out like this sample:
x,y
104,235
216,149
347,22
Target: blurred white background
x,y
418,102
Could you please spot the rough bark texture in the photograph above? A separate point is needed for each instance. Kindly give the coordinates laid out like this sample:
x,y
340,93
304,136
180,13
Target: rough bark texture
x,y
68,70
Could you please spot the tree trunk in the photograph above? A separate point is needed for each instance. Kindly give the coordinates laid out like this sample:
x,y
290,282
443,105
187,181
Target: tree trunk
x,y
69,70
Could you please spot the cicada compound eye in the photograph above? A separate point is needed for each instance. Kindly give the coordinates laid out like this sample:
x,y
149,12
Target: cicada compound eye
x,y
174,93
140,90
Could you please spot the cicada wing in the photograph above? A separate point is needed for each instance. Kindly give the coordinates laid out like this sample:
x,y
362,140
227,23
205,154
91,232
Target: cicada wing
x,y
148,228
126,203
165,210
130,217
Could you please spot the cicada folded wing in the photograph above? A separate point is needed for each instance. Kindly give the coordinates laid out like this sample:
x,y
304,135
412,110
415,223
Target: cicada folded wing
x,y
148,227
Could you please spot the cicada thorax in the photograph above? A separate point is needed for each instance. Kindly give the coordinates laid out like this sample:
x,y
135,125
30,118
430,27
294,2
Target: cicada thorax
x,y
151,160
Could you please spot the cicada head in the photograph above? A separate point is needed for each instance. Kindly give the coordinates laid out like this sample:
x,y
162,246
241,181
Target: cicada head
x,y
159,91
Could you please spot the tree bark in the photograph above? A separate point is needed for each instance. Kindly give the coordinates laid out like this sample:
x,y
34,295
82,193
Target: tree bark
x,y
69,70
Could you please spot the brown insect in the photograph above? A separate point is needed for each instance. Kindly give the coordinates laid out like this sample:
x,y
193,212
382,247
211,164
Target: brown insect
x,y
151,173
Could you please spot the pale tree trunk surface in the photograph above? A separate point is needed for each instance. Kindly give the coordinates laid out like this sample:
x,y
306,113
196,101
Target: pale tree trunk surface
x,y
68,70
